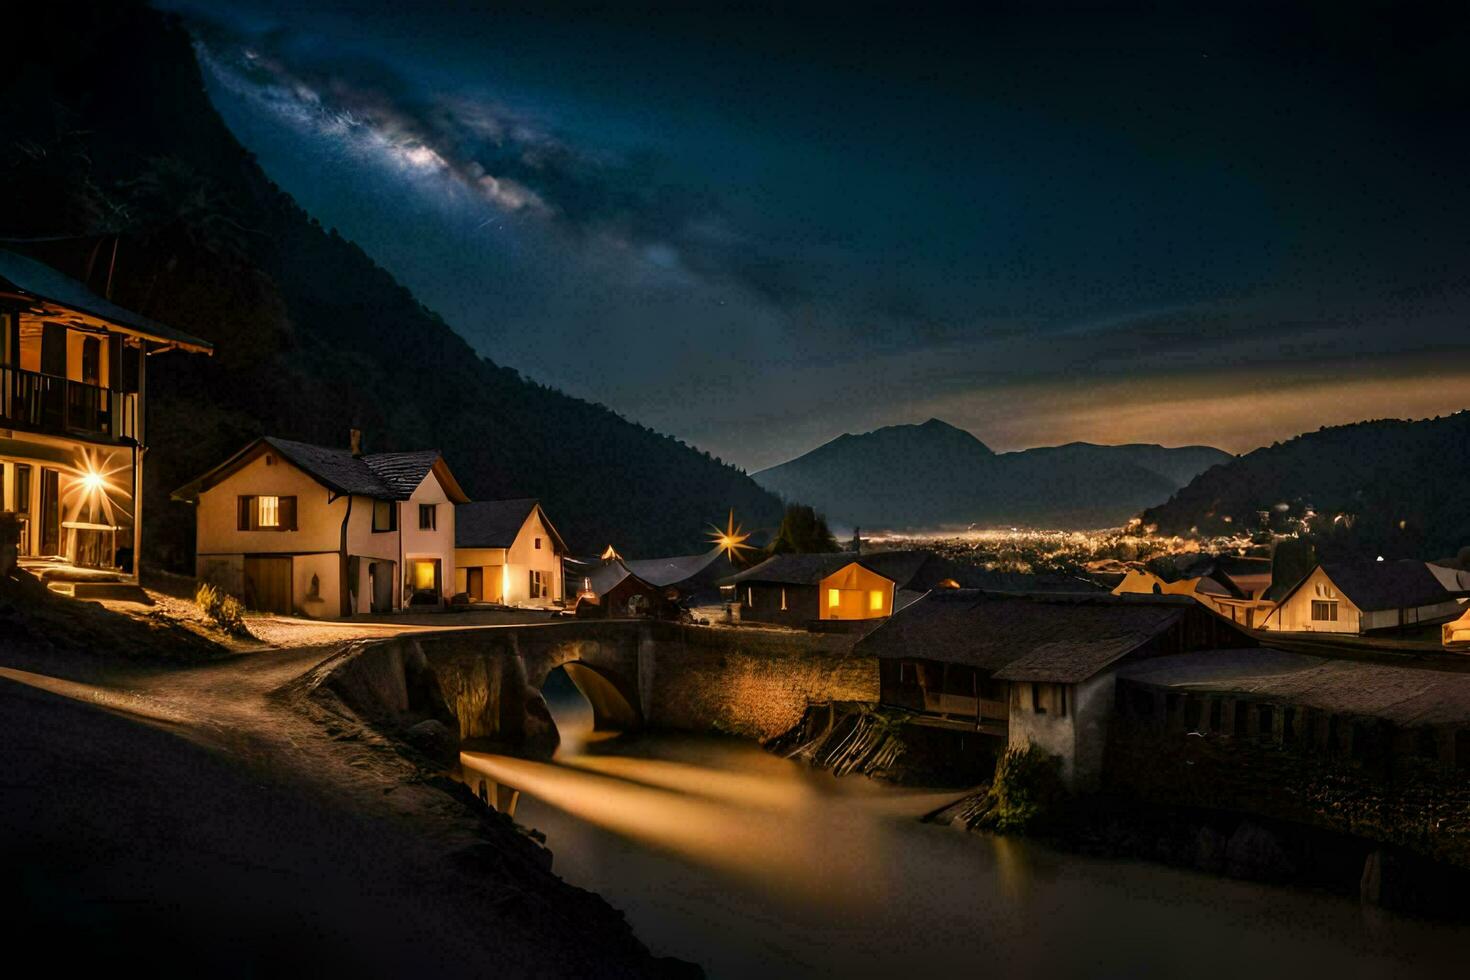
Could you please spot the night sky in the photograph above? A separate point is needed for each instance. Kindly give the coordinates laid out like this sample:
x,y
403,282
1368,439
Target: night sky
x,y
756,232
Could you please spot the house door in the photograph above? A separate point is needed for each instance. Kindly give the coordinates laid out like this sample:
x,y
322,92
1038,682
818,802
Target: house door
x,y
380,586
268,584
50,512
474,583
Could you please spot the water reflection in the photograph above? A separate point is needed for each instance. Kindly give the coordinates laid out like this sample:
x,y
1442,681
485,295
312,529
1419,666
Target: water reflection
x,y
722,854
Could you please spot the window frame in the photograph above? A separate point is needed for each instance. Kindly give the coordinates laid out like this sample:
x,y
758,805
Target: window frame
x,y
431,512
1326,606
392,512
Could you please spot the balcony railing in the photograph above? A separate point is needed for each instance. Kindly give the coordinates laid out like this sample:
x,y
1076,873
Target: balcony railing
x,y
45,403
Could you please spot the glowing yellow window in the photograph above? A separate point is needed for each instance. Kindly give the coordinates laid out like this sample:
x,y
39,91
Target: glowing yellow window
x,y
834,598
875,600
783,600
424,574
270,511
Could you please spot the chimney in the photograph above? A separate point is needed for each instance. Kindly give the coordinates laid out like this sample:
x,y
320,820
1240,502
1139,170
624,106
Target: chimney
x,y
354,438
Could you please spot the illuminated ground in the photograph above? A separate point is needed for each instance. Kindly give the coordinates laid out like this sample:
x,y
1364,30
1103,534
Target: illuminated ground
x,y
196,817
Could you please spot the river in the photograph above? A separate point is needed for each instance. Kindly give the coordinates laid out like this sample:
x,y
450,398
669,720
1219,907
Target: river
x,y
751,865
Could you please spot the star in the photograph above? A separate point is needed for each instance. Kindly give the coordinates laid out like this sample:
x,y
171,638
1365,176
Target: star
x,y
731,538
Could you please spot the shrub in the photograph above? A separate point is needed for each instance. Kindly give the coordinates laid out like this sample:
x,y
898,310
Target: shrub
x,y
227,612
1026,789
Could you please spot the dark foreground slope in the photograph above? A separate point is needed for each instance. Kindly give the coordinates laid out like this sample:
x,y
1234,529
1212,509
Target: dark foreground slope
x,y
1388,487
936,475
112,133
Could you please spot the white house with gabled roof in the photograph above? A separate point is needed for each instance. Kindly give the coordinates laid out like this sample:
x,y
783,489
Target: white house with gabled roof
x,y
292,527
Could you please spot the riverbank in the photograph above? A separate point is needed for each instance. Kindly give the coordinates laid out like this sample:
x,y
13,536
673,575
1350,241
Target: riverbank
x,y
1190,810
171,802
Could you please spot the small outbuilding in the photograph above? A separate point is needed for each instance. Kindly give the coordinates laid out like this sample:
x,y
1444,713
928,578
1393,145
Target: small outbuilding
x,y
1033,669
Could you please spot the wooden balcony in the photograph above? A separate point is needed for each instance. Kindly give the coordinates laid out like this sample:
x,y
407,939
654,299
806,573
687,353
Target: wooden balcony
x,y
58,406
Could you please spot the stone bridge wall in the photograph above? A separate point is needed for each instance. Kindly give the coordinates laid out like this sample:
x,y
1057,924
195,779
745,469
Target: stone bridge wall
x,y
485,683
752,682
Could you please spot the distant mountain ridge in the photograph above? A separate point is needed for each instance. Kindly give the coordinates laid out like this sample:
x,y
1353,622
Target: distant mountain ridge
x,y
1387,487
934,475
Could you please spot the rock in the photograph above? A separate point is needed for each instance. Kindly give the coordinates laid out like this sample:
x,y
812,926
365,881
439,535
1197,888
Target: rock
x,y
1210,847
433,738
541,737
1254,852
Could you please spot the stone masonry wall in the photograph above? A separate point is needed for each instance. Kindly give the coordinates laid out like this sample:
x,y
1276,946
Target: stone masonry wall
x,y
752,682
1359,776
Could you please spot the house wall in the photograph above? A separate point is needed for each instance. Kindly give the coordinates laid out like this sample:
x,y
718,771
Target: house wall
x,y
428,544
1391,618
491,561
367,546
318,519
761,602
1077,736
70,458
854,586
1295,615
524,557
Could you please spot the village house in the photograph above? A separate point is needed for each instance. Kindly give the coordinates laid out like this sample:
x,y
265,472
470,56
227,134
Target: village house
x,y
807,590
297,528
73,378
799,590
1362,597
1032,669
608,589
507,552
1232,586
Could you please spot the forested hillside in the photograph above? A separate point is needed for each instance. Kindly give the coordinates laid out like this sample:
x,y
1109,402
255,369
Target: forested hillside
x,y
110,137
1388,487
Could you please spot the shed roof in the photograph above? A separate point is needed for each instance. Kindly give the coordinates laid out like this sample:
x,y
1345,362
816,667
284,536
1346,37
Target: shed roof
x,y
796,569
1378,585
1053,636
43,283
1404,695
665,572
381,476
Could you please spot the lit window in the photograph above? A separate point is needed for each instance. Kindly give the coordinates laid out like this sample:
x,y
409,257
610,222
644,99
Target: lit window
x,y
750,597
270,511
875,600
424,574
783,600
834,598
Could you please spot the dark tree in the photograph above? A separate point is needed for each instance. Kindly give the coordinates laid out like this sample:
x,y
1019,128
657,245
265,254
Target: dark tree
x,y
803,531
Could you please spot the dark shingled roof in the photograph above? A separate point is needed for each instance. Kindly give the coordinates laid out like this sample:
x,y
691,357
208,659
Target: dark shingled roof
x,y
491,523
495,523
664,572
1054,637
1405,695
796,569
381,476
1376,585
384,476
45,283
